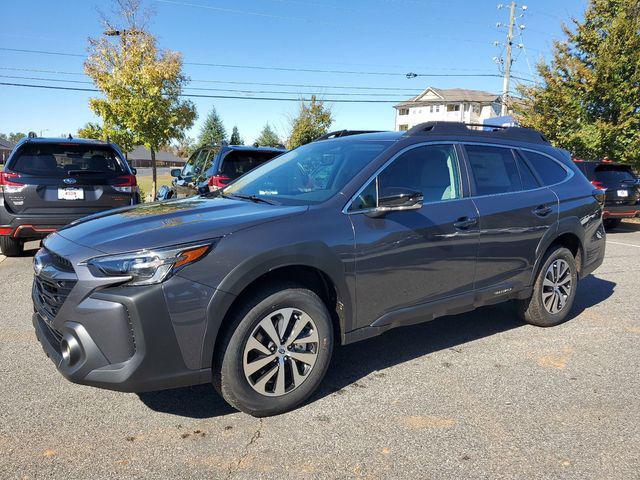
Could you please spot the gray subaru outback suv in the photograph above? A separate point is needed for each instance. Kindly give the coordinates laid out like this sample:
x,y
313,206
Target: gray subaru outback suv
x,y
335,242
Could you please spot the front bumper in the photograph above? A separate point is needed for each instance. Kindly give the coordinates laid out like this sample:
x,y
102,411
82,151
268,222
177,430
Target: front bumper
x,y
120,338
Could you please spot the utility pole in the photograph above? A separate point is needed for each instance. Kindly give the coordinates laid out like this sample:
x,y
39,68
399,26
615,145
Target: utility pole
x,y
507,62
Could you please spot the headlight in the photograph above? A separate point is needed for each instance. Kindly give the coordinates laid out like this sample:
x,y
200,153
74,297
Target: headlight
x,y
148,267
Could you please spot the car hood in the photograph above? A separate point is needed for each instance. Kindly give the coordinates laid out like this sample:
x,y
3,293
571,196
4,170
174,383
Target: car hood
x,y
171,222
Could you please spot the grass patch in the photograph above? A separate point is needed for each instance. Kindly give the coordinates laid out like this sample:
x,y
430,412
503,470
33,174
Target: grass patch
x,y
144,182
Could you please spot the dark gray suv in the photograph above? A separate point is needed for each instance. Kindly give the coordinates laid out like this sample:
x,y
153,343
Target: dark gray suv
x,y
49,182
334,242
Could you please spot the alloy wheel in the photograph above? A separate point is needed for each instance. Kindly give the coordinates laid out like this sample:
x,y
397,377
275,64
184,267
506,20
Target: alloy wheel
x,y
556,286
280,352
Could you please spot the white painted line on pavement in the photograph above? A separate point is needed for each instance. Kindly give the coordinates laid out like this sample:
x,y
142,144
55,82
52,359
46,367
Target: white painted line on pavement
x,y
626,244
2,257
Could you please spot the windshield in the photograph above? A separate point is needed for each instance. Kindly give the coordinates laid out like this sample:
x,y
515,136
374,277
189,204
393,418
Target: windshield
x,y
60,160
199,162
309,174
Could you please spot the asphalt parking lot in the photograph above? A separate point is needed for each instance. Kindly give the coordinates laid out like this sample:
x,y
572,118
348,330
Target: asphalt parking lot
x,y
479,395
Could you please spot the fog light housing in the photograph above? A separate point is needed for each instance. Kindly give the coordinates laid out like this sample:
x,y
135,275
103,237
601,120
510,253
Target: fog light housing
x,y
70,350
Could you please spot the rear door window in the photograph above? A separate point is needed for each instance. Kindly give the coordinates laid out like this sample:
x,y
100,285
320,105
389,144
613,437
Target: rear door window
x,y
239,162
549,171
60,161
494,169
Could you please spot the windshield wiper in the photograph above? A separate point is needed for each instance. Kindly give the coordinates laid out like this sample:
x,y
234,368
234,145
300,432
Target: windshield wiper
x,y
253,198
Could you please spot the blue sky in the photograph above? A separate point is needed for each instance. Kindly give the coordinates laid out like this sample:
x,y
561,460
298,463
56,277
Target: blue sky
x,y
384,36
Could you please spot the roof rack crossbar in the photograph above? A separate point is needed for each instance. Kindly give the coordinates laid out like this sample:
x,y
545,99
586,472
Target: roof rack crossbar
x,y
344,133
495,131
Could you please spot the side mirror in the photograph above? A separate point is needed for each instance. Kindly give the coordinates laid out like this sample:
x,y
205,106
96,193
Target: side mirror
x,y
134,171
175,172
397,199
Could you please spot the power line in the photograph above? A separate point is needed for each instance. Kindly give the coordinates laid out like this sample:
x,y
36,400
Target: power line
x,y
284,69
191,95
232,82
250,92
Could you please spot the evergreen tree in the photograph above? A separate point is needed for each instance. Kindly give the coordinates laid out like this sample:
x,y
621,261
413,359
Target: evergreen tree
x,y
313,121
213,131
589,98
236,139
268,138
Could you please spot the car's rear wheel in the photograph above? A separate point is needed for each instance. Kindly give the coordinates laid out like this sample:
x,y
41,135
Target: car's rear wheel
x,y
11,247
275,351
611,223
554,290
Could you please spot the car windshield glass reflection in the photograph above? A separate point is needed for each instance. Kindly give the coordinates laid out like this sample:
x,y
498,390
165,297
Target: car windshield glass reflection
x,y
310,174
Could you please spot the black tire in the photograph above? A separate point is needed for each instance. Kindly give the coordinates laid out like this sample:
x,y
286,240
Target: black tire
x,y
611,223
533,310
228,373
11,247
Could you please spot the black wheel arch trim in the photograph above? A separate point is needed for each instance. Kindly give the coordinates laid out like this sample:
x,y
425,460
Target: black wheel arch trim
x,y
315,255
565,225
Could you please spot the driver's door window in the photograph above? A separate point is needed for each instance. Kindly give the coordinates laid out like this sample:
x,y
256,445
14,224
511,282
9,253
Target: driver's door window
x,y
431,170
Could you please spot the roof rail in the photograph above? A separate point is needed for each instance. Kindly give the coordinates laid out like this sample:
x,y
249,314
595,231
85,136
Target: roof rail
x,y
478,129
344,133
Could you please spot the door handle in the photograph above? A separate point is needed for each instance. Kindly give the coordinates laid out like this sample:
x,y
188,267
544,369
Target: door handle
x,y
542,210
464,223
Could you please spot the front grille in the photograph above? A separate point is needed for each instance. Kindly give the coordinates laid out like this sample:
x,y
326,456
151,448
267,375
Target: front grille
x,y
50,294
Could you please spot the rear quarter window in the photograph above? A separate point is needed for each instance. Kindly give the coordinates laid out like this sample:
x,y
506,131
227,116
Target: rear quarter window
x,y
549,171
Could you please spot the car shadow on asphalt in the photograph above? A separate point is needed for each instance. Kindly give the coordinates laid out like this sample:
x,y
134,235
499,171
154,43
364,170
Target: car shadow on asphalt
x,y
352,363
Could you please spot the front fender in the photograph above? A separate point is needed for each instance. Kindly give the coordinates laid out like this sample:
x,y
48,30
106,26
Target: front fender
x,y
316,255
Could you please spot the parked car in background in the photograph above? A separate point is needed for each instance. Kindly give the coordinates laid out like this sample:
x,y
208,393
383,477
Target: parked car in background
x,y
334,242
213,167
47,183
622,198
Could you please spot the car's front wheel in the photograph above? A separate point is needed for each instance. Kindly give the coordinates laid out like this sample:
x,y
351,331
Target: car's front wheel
x,y
11,247
554,290
275,351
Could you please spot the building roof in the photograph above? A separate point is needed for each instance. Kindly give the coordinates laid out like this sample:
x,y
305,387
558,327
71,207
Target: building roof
x,y
6,144
143,153
433,95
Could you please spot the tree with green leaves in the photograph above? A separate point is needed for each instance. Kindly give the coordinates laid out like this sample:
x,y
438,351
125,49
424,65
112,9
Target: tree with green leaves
x,y
236,139
588,100
313,120
123,138
13,137
213,131
268,138
186,146
141,84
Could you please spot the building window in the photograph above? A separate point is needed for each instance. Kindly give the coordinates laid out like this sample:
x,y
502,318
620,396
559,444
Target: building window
x,y
431,109
437,108
453,107
403,111
403,128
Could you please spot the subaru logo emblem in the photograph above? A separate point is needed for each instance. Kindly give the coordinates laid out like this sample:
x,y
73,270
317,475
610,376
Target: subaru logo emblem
x,y
69,181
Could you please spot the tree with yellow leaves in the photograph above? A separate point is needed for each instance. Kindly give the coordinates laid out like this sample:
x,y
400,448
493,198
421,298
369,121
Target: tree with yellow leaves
x,y
141,84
